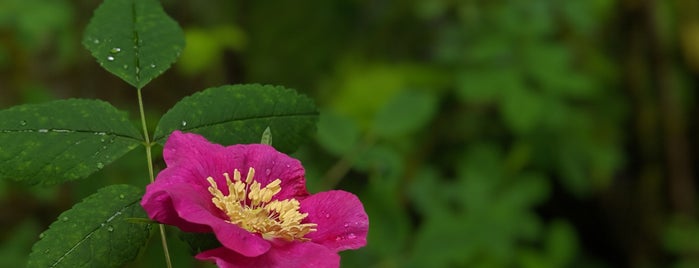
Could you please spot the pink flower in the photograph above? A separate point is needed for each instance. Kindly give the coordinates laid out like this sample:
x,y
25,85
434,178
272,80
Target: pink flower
x,y
254,199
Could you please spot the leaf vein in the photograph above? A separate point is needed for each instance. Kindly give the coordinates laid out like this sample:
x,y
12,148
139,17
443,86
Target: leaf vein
x,y
89,234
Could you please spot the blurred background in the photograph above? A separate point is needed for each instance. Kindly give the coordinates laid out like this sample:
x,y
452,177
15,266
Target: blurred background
x,y
520,133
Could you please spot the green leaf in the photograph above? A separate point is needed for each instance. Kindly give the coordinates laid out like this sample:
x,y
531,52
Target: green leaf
x,y
62,140
95,232
199,242
266,137
235,114
406,112
337,134
134,39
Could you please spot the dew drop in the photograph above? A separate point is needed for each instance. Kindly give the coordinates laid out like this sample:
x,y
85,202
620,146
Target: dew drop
x,y
97,41
346,225
102,140
152,65
327,215
47,251
351,236
43,130
121,196
110,228
184,123
138,70
110,58
115,50
23,123
100,165
125,66
64,218
41,235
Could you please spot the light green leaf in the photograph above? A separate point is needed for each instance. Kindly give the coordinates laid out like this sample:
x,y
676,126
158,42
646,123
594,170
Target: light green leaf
x,y
266,137
62,140
239,113
406,112
337,134
95,232
134,39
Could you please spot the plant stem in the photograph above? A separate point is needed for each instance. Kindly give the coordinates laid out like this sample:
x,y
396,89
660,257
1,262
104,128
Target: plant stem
x,y
149,158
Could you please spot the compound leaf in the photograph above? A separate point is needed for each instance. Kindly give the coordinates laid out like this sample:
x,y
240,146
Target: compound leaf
x,y
235,114
95,232
134,39
62,140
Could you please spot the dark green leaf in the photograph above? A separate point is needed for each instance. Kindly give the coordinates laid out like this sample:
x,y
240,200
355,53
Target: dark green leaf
x,y
240,114
199,242
95,232
134,39
406,112
62,140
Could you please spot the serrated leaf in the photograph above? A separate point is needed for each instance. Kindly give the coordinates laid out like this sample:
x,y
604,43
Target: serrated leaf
x,y
406,112
95,232
62,140
235,114
134,39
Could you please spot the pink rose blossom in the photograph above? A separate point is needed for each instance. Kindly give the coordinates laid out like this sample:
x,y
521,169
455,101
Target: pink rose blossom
x,y
254,199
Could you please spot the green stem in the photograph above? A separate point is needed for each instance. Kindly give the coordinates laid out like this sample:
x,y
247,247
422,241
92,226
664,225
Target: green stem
x,y
149,158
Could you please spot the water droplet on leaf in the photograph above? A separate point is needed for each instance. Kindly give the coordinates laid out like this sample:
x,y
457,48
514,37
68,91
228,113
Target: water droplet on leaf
x,y
115,50
110,228
125,66
64,218
43,130
121,196
100,165
23,123
152,65
41,235
110,58
184,123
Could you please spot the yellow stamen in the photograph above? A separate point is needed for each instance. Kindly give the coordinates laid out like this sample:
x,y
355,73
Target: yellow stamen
x,y
252,208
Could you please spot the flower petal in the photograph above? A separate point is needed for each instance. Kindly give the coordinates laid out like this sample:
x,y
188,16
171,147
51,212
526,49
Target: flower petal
x,y
191,158
342,221
159,206
182,206
292,255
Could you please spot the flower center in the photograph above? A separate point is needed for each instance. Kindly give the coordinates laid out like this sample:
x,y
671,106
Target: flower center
x,y
252,208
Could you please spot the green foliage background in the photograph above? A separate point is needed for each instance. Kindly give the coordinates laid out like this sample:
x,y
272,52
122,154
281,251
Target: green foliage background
x,y
535,133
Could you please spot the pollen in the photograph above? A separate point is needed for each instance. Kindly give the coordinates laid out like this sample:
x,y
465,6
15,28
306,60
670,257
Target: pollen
x,y
250,206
